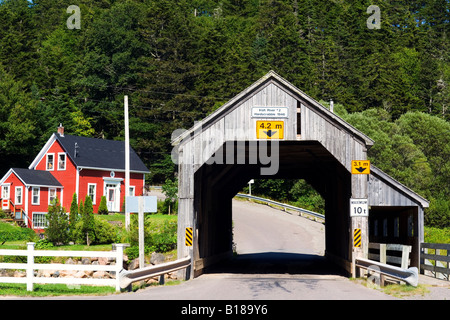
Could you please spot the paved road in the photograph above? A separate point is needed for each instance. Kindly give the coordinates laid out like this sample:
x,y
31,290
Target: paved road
x,y
280,257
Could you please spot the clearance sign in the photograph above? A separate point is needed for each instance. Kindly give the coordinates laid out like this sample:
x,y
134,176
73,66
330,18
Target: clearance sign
x,y
269,129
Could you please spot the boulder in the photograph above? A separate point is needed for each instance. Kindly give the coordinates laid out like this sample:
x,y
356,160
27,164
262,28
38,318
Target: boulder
x,y
103,261
134,264
157,258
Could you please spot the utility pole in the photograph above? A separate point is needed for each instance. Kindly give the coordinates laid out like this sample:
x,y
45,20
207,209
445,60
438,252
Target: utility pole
x,y
127,162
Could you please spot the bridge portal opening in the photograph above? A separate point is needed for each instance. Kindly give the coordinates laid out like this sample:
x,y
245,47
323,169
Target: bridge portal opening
x,y
216,185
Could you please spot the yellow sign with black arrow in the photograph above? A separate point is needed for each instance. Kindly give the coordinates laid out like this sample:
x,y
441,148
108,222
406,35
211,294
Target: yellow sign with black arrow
x,y
269,129
360,166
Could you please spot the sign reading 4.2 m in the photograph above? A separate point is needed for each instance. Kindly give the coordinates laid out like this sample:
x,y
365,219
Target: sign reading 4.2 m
x,y
359,208
269,129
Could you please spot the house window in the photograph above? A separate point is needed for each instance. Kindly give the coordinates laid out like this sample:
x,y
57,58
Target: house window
x,y
92,188
61,161
131,193
50,161
5,192
40,220
18,195
35,196
51,196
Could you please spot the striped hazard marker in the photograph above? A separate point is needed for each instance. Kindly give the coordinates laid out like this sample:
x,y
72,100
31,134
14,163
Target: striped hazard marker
x,y
189,237
357,238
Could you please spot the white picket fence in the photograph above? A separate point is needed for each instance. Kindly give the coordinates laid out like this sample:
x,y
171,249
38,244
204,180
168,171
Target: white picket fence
x,y
30,266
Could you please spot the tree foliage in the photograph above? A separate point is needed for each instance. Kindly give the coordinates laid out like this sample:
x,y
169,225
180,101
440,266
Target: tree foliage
x,y
178,61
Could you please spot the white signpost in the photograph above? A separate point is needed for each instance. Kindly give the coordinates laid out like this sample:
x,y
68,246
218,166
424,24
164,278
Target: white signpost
x,y
359,208
140,205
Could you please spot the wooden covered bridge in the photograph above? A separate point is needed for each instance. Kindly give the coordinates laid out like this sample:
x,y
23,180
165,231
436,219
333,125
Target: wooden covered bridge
x,y
274,130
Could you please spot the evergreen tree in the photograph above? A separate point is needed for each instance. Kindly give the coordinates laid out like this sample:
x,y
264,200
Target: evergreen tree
x,y
103,208
88,220
58,224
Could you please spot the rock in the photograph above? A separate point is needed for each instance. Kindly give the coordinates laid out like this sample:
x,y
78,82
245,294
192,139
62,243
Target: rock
x,y
99,274
157,258
19,274
69,261
56,274
103,261
85,261
67,273
80,274
134,264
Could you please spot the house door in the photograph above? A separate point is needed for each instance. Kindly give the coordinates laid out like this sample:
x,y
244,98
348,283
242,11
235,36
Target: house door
x,y
112,199
5,197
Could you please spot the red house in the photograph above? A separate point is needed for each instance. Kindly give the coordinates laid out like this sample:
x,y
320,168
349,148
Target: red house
x,y
70,164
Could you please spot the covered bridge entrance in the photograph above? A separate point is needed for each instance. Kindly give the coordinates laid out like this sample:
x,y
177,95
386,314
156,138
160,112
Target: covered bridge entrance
x,y
274,130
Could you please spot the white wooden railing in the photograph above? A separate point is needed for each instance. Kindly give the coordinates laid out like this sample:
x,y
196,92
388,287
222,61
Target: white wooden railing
x,y
30,266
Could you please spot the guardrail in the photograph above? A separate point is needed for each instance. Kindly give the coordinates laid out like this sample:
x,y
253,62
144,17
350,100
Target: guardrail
x,y
283,205
128,277
30,266
439,261
410,275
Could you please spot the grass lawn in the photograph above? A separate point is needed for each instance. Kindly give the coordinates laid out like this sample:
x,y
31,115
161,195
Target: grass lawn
x,y
48,290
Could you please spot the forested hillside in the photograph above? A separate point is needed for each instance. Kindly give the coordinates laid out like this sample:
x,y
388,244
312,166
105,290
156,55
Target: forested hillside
x,y
180,60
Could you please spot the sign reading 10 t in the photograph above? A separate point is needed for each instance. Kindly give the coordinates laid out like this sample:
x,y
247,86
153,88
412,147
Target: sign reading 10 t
x,y
359,208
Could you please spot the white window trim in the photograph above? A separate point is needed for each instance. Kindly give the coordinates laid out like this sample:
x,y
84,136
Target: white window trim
x,y
49,193
38,196
6,187
21,195
46,161
132,191
65,161
95,191
36,225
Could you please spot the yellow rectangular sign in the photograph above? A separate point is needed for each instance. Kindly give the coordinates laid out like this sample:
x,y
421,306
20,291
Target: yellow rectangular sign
x,y
189,237
357,238
360,166
269,129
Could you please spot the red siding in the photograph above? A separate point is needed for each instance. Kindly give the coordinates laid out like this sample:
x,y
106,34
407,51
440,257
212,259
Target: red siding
x,y
100,179
66,177
43,196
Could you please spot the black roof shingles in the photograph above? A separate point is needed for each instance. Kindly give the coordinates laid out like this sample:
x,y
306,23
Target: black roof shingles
x,y
37,177
99,153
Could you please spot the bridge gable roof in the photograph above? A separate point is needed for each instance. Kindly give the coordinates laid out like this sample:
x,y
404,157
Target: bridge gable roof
x,y
272,78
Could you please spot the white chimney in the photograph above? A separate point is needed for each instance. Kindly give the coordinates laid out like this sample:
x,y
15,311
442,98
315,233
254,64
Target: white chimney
x,y
331,106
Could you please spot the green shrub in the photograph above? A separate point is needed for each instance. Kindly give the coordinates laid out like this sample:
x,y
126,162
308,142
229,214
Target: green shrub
x,y
164,239
103,208
102,232
58,224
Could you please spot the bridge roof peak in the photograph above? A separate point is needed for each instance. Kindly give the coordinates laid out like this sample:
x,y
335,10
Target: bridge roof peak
x,y
272,77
